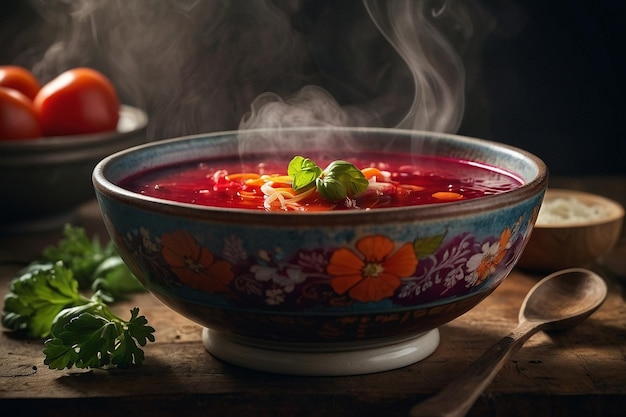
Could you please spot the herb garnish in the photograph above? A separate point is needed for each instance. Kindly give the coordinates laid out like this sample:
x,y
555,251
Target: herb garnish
x,y
46,301
340,179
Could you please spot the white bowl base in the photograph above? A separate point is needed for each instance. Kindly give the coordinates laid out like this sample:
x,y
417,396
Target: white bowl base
x,y
342,359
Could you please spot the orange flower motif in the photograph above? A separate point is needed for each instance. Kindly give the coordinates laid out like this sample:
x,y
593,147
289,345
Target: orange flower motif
x,y
194,265
484,264
373,273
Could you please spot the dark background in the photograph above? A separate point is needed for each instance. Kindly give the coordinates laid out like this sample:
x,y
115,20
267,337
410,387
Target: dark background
x,y
556,87
547,76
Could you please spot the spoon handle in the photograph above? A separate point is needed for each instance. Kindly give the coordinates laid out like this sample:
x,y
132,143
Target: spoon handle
x,y
459,395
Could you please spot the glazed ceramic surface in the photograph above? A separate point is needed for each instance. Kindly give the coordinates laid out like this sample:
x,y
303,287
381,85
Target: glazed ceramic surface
x,y
279,276
47,177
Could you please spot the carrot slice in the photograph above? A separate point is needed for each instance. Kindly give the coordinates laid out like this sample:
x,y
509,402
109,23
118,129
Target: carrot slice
x,y
447,196
242,176
372,172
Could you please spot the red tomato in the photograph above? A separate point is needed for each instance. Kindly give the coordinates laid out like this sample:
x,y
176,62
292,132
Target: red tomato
x,y
78,101
19,78
18,119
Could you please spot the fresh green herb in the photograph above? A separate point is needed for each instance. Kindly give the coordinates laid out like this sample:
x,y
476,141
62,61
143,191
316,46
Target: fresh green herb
x,y
46,300
340,179
91,336
304,173
95,266
37,296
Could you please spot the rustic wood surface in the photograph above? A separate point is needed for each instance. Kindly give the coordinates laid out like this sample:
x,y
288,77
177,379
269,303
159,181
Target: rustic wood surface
x,y
580,372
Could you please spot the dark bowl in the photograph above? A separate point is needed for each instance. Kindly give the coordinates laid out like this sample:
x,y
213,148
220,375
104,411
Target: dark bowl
x,y
43,180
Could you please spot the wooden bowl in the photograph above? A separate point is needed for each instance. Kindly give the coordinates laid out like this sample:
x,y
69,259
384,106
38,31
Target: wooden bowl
x,y
572,241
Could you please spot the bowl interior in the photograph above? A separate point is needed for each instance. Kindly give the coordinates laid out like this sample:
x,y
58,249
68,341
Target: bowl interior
x,y
331,143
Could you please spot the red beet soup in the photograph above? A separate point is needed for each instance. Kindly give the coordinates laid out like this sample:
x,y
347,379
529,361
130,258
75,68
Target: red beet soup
x,y
263,183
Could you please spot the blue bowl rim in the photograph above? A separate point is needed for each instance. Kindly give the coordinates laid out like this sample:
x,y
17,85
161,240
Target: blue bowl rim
x,y
534,187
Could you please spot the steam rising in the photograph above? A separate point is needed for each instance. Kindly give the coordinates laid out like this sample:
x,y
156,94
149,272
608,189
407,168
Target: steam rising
x,y
437,70
311,106
200,66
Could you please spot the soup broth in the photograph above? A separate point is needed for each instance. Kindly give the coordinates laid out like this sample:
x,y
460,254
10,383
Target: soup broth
x,y
263,184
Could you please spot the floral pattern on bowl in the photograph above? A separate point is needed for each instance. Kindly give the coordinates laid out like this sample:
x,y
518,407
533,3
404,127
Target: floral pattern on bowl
x,y
372,268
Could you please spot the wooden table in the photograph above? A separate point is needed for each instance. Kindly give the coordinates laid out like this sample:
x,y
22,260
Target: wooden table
x,y
581,372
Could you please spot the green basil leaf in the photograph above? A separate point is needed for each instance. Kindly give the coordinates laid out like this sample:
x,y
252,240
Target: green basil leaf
x,y
304,173
330,188
342,179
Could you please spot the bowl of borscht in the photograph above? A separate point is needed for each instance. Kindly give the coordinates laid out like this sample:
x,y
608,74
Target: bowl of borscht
x,y
321,251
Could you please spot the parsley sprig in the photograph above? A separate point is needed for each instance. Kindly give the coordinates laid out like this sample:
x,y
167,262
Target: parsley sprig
x,y
340,179
91,336
48,300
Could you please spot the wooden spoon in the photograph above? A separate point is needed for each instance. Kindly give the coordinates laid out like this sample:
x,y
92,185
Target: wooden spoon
x,y
559,301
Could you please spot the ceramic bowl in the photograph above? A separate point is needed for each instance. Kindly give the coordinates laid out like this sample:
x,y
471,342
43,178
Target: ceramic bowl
x,y
43,180
574,229
273,307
